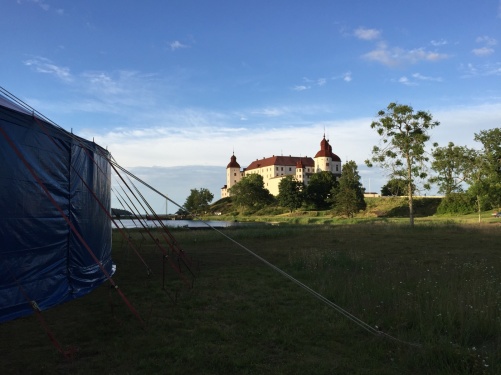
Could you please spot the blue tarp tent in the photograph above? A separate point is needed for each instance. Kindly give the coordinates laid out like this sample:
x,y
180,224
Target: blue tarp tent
x,y
55,193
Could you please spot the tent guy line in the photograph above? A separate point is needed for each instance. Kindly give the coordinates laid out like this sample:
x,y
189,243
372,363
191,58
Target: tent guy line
x,y
315,294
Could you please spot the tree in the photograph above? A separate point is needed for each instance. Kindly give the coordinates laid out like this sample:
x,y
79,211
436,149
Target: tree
x,y
198,201
450,164
250,192
395,187
318,191
290,193
483,173
348,197
404,134
491,142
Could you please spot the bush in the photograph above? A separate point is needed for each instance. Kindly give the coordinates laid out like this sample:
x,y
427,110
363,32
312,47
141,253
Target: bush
x,y
456,203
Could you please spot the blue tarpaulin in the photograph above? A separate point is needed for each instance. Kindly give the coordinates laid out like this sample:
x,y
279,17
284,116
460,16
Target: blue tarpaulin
x,y
55,192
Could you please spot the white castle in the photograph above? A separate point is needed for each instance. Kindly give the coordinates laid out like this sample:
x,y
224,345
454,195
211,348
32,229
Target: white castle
x,y
274,168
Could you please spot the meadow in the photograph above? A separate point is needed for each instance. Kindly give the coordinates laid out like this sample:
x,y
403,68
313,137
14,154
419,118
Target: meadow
x,y
434,290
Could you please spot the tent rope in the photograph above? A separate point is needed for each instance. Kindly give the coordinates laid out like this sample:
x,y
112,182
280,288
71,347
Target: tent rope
x,y
336,307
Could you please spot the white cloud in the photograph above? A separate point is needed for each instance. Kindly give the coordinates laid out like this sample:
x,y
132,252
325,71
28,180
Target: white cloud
x,y
426,78
301,88
166,156
347,77
416,78
486,40
486,49
438,43
175,45
41,4
321,81
397,56
405,81
480,70
483,51
309,83
367,34
43,65
269,112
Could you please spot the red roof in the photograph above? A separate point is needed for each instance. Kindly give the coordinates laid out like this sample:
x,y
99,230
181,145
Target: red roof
x,y
326,151
233,162
286,161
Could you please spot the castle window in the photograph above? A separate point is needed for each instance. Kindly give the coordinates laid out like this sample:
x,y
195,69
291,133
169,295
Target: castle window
x,y
282,168
337,168
290,169
327,164
234,174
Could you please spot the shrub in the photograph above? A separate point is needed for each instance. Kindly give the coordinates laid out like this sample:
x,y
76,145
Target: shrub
x,y
456,203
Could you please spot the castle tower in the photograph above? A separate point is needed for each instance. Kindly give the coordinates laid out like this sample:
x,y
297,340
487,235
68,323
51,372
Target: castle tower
x,y
326,160
233,175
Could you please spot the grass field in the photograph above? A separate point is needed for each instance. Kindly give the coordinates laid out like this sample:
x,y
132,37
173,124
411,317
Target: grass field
x,y
436,288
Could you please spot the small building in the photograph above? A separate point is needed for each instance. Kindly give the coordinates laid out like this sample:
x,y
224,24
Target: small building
x,y
274,168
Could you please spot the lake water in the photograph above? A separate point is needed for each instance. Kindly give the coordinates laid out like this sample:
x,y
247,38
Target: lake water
x,y
128,223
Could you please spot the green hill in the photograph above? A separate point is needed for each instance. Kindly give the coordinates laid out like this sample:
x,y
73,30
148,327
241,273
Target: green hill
x,y
376,207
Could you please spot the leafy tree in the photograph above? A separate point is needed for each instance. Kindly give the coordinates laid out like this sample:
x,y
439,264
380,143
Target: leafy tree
x,y
318,191
395,187
290,193
450,164
491,142
477,178
404,134
483,173
250,192
348,196
198,201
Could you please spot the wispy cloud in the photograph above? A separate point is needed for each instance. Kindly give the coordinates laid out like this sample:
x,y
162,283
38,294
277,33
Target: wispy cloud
x,y
416,78
426,78
347,77
43,5
483,51
475,70
438,43
44,65
175,45
486,49
269,112
398,56
310,83
367,34
301,88
405,81
487,40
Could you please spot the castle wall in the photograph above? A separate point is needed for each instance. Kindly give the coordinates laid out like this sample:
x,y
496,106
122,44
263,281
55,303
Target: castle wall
x,y
274,168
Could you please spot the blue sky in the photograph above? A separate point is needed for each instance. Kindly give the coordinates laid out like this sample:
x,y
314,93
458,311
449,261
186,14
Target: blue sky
x,y
173,86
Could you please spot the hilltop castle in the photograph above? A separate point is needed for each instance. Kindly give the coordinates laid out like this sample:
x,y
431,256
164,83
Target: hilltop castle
x,y
274,168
